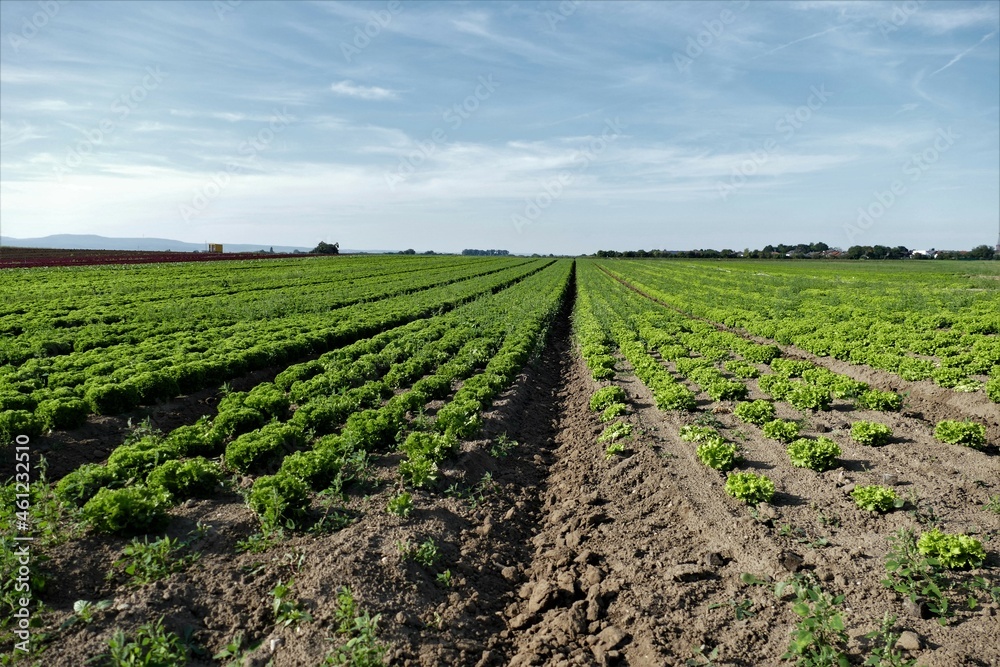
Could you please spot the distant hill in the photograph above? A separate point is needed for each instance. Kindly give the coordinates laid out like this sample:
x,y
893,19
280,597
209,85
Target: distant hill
x,y
94,242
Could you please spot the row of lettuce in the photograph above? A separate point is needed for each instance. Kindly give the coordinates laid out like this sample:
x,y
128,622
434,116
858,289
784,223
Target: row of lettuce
x,y
945,334
60,392
319,422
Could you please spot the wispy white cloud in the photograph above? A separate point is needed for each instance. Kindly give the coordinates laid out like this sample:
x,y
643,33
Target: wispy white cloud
x,y
228,116
11,135
934,18
350,89
964,53
939,21
917,88
804,39
44,105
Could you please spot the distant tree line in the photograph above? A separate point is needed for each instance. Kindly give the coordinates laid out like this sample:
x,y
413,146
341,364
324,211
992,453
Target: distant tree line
x,y
979,252
811,251
501,253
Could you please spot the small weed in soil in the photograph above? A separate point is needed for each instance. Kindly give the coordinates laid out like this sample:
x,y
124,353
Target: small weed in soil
x,y
801,536
474,495
914,575
426,554
288,611
444,579
145,562
334,517
84,611
151,646
701,659
235,651
884,651
742,609
502,446
362,648
820,636
262,541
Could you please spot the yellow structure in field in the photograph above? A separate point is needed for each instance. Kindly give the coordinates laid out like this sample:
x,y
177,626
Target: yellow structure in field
x,y
215,247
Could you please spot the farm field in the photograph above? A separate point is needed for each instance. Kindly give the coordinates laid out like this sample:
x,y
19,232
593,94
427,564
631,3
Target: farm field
x,y
491,461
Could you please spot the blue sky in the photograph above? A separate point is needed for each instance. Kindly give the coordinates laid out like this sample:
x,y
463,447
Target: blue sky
x,y
531,126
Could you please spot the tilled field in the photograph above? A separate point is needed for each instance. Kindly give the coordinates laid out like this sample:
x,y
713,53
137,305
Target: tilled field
x,y
557,555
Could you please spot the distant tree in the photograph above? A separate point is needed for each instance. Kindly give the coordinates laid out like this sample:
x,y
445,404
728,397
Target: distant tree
x,y
899,252
408,251
326,249
271,250
428,252
879,252
981,252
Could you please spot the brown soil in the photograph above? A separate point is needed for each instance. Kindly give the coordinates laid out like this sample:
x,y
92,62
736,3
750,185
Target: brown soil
x,y
567,558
